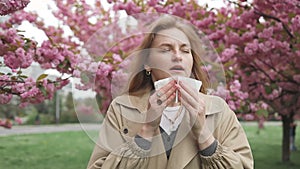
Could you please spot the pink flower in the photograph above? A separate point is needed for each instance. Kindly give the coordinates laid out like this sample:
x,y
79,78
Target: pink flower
x,y
5,98
179,10
152,2
18,88
251,48
219,34
233,38
296,23
18,120
227,54
248,35
9,6
232,105
249,117
11,60
117,58
30,93
267,33
297,78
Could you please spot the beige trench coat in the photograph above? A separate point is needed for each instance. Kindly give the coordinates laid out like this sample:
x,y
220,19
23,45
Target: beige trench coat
x,y
117,149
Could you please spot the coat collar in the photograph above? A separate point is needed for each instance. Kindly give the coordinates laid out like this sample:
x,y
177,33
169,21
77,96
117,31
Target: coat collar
x,y
140,102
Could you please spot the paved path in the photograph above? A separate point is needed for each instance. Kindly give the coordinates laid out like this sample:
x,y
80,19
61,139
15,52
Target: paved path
x,y
31,129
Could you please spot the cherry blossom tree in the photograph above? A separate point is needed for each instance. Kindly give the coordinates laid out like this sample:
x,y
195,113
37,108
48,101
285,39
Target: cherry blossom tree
x,y
259,42
263,39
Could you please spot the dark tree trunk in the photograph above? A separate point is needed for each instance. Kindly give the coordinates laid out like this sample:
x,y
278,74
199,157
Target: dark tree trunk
x,y
286,121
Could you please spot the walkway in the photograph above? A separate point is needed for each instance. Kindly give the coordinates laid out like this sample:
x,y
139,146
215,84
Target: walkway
x,y
32,129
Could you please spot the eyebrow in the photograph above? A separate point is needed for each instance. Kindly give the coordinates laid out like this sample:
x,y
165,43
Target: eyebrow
x,y
170,45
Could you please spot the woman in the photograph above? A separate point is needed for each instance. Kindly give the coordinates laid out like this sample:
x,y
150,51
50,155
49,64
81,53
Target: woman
x,y
136,132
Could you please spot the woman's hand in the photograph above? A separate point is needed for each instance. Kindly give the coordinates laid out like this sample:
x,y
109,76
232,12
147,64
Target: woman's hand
x,y
195,106
158,101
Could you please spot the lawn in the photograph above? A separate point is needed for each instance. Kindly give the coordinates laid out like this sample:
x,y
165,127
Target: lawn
x,y
61,150
66,150
266,148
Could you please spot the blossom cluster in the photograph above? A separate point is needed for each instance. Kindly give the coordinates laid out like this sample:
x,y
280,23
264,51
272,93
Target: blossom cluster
x,y
9,6
20,52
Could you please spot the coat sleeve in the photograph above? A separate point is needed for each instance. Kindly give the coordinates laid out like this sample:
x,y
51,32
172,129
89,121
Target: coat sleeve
x,y
233,150
115,150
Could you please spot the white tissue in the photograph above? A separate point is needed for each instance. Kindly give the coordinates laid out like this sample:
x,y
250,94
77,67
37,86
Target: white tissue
x,y
195,84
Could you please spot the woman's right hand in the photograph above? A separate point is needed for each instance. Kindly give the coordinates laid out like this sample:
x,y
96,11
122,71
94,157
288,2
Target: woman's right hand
x,y
158,101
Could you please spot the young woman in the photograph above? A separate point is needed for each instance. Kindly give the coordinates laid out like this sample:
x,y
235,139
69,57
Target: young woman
x,y
149,127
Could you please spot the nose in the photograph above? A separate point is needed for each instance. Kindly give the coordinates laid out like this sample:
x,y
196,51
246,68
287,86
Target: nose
x,y
177,56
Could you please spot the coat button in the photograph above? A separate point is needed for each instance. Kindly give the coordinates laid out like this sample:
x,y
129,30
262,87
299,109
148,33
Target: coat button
x,y
125,131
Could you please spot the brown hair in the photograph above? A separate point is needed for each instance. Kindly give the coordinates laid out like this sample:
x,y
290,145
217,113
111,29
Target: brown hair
x,y
140,81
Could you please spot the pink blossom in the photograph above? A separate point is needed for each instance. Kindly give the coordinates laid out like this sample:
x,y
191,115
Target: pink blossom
x,y
295,23
11,60
18,88
264,106
297,78
251,48
18,120
7,123
266,46
232,105
253,107
5,98
232,38
179,9
217,35
76,73
104,69
20,16
30,93
249,117
266,33
131,8
249,16
227,54
248,36
9,6
221,92
152,2
93,67
23,104
117,58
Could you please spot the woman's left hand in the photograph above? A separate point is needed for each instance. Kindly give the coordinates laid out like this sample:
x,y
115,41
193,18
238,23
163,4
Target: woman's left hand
x,y
195,106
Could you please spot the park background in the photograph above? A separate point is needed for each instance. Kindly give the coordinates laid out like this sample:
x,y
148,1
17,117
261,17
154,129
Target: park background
x,y
41,63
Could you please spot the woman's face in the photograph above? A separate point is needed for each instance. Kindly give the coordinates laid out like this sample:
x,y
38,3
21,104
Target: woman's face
x,y
170,55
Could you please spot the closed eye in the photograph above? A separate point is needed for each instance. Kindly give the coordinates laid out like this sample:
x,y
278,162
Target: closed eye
x,y
165,49
186,50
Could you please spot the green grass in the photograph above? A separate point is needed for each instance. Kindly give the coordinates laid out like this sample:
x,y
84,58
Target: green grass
x,y
66,150
62,150
266,148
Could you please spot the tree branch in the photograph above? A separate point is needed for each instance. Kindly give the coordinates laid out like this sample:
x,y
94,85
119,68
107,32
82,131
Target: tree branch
x,y
256,11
